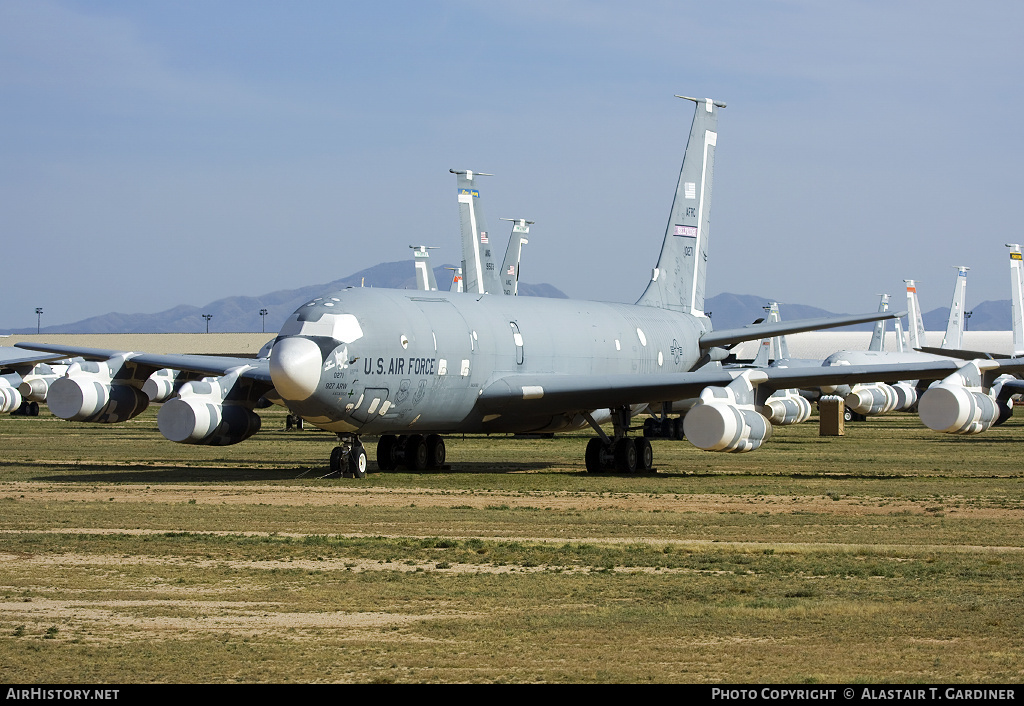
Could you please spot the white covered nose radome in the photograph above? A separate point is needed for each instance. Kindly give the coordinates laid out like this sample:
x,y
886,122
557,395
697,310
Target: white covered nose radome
x,y
295,368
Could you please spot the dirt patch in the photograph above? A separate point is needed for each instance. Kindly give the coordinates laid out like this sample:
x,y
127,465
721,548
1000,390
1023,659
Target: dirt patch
x,y
555,500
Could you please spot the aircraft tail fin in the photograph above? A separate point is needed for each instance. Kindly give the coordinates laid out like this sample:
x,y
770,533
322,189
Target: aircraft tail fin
x,y
878,336
954,337
425,281
456,285
1017,297
915,321
772,348
479,273
513,254
677,282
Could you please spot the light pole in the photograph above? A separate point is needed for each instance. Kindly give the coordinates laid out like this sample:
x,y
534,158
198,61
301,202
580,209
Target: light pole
x,y
263,316
39,318
967,318
207,317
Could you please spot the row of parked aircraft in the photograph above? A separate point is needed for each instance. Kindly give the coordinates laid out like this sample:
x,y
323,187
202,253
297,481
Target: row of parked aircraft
x,y
409,366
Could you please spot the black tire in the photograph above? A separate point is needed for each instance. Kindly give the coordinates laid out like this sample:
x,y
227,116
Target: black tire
x,y
644,455
337,459
651,426
625,456
677,429
593,455
386,447
415,453
357,461
33,409
436,452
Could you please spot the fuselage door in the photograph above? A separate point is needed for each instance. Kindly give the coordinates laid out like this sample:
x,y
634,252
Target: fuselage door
x,y
517,338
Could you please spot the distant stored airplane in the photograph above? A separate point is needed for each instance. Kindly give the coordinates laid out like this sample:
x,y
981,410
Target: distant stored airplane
x,y
409,366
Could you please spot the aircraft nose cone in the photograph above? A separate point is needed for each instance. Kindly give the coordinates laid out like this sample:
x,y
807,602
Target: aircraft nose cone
x,y
295,368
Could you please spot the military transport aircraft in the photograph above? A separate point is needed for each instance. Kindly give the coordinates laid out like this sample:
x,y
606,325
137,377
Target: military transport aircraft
x,y
409,366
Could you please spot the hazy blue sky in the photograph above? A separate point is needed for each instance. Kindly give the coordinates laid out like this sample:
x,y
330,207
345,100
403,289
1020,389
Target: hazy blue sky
x,y
155,154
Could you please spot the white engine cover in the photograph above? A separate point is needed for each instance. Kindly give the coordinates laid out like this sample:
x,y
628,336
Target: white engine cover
x,y
90,399
955,409
10,399
786,409
720,426
876,398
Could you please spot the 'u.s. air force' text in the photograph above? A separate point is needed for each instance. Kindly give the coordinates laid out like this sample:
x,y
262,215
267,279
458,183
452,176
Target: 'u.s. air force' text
x,y
399,366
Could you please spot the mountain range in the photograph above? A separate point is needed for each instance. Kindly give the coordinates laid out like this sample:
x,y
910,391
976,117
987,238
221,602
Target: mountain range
x,y
240,314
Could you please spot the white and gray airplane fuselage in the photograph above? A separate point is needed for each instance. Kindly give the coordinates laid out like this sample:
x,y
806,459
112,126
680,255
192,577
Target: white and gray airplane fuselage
x,y
373,361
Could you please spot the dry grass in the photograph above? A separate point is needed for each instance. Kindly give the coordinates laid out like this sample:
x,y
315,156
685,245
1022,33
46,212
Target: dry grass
x,y
891,554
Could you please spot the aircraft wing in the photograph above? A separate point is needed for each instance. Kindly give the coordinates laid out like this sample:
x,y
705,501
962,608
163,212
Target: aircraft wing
x,y
259,369
961,354
14,355
732,336
555,394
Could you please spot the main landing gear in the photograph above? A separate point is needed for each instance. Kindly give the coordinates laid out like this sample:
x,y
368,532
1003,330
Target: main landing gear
x,y
620,453
414,452
27,409
349,458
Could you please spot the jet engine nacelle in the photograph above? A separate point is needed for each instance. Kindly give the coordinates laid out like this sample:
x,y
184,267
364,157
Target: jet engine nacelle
x,y
207,412
955,409
906,396
725,419
875,398
35,388
196,419
89,392
165,383
786,409
721,426
10,399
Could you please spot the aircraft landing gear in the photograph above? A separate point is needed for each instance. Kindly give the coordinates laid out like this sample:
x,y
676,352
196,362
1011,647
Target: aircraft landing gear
x,y
349,459
620,454
27,409
414,452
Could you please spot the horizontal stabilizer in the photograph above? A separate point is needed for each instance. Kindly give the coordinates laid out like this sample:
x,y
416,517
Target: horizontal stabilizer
x,y
728,337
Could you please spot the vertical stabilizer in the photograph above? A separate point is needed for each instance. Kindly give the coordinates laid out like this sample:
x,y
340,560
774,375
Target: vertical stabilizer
x,y
878,337
780,348
765,350
479,273
677,282
898,323
425,281
1017,297
513,254
954,337
456,285
915,321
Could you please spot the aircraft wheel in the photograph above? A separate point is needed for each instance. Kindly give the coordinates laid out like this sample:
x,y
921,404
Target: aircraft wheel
x,y
847,415
625,456
357,461
415,453
677,429
435,451
593,455
33,409
644,455
386,448
337,459
650,426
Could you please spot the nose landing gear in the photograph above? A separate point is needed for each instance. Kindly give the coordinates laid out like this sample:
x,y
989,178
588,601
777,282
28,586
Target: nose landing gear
x,y
349,458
